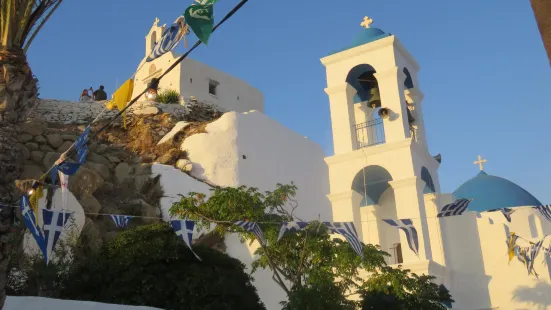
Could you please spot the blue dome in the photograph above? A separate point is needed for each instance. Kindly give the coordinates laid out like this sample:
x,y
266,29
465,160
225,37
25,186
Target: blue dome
x,y
366,36
490,192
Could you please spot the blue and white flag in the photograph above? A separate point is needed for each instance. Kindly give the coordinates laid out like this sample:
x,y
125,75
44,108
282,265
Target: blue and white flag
x,y
54,223
291,226
31,223
406,225
121,220
253,228
455,208
184,230
81,145
505,211
348,231
534,251
170,38
545,211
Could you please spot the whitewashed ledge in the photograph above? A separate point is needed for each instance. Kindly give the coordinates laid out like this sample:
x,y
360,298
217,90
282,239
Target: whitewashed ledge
x,y
70,112
41,303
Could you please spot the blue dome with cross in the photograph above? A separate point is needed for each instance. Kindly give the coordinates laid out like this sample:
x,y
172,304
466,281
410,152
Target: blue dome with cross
x,y
367,35
491,192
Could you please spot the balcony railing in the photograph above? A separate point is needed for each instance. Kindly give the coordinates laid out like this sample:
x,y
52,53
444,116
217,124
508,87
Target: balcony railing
x,y
369,133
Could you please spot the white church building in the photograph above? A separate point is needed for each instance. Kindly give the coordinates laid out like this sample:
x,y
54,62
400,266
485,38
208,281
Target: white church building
x,y
381,169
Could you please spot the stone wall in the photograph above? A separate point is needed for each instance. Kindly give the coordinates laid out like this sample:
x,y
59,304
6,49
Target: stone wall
x,y
69,112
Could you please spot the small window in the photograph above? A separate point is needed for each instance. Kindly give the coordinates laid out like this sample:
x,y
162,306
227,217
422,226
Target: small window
x,y
213,87
237,97
190,81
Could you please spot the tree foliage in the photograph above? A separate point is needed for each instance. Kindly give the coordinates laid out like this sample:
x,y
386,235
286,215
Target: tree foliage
x,y
147,266
315,269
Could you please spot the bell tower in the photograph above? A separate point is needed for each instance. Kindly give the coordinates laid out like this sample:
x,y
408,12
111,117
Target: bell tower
x,y
153,36
381,168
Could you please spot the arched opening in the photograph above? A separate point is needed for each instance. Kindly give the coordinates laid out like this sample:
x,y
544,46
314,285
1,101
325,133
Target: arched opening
x,y
369,126
373,183
408,82
362,78
429,184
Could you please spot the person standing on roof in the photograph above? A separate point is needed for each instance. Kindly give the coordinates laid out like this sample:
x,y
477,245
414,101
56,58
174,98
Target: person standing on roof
x,y
100,94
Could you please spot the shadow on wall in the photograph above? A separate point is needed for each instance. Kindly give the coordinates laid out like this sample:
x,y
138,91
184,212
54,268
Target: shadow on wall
x,y
464,254
537,297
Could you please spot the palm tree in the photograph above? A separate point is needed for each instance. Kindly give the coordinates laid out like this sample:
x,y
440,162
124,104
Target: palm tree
x,y
542,11
20,22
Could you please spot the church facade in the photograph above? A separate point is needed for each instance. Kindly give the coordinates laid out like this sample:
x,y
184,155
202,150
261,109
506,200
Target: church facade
x,y
193,78
382,169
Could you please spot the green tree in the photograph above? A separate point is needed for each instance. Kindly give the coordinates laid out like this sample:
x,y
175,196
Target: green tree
x,y
316,270
398,289
20,22
151,266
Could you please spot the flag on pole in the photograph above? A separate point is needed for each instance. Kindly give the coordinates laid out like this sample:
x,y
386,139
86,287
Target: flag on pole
x,y
184,230
455,208
406,225
31,223
121,97
54,222
253,228
121,220
200,18
511,245
348,231
291,226
170,39
545,211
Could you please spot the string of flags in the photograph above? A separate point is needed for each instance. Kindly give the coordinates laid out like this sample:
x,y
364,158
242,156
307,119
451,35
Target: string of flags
x,y
526,255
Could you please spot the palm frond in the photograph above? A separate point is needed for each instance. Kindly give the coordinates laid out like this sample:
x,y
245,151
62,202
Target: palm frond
x,y
21,20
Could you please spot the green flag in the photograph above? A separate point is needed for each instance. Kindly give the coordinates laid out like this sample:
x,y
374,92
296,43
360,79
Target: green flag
x,y
200,18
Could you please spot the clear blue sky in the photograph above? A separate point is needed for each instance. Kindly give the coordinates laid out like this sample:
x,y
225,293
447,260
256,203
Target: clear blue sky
x,y
484,72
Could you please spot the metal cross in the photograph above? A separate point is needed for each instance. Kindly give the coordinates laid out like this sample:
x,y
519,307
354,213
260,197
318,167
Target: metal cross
x,y
479,162
366,22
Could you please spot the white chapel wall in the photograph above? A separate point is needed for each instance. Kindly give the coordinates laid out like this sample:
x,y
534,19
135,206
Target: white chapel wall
x,y
191,78
272,154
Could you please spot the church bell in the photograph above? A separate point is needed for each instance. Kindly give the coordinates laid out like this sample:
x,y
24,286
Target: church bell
x,y
374,98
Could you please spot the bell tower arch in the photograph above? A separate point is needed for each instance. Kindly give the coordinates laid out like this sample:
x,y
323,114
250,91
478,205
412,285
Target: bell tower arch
x,y
381,165
153,36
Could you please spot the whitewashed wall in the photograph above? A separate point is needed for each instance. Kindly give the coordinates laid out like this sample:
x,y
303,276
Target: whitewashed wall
x,y
476,255
41,303
191,78
273,154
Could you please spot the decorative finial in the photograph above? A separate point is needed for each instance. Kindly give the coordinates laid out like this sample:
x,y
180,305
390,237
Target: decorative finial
x,y
479,162
156,23
366,22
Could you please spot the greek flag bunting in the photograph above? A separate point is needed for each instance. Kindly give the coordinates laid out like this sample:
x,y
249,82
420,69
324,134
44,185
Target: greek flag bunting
x,y
524,257
406,225
348,231
184,230
81,145
54,222
291,226
121,221
253,228
170,39
534,251
545,211
31,223
455,208
511,245
505,211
